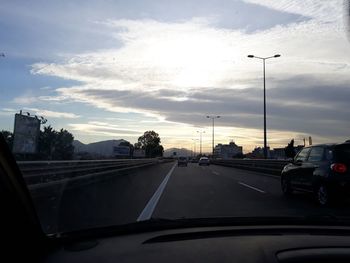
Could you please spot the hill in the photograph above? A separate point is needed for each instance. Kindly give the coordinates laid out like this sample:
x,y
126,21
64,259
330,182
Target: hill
x,y
102,148
179,152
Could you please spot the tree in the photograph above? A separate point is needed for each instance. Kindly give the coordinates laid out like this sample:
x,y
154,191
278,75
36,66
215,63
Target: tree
x,y
150,142
47,141
8,136
56,145
289,150
137,146
64,148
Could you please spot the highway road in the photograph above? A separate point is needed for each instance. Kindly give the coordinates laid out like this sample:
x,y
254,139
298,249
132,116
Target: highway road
x,y
169,191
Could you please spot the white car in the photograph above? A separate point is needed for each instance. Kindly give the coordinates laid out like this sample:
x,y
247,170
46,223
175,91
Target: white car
x,y
204,161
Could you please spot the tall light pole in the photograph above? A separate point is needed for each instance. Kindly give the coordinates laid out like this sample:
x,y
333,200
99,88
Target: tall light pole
x,y
265,136
194,146
213,118
200,141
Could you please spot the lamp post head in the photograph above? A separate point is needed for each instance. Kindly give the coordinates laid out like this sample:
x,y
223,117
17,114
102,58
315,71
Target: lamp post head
x,y
250,56
277,55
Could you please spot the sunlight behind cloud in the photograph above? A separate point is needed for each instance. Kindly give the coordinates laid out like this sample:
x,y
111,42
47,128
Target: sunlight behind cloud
x,y
184,58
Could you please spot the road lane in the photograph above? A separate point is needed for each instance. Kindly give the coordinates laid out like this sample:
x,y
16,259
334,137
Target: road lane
x,y
190,192
252,187
147,212
116,200
268,183
199,192
195,191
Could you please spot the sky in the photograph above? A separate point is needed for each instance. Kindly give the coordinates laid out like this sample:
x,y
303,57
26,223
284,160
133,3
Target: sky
x,y
114,69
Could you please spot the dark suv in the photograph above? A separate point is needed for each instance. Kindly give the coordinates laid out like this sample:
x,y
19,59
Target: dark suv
x,y
323,170
182,161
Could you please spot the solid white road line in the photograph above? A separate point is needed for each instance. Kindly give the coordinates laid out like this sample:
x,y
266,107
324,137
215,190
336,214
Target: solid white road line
x,y
215,172
152,203
252,187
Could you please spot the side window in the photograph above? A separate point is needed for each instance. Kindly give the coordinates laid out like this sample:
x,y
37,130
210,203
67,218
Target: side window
x,y
316,154
329,154
302,155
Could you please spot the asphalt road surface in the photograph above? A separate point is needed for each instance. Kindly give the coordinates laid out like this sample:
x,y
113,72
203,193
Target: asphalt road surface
x,y
169,191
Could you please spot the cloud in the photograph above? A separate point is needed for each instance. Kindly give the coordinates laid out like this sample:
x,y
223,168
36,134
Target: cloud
x,y
102,128
310,109
327,11
9,110
52,114
181,71
25,100
41,112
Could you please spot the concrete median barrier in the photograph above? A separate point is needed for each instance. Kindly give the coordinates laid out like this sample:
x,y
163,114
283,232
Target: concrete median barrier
x,y
259,165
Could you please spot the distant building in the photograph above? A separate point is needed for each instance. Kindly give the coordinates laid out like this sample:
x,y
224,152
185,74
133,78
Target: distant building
x,y
278,153
258,152
228,151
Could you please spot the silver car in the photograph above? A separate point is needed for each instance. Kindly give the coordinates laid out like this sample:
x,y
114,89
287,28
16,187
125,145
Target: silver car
x,y
204,161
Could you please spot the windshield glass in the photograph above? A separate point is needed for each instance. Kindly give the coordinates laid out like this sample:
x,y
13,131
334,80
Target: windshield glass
x,y
101,99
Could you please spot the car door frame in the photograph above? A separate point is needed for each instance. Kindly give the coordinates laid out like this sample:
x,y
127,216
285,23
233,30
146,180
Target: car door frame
x,y
20,228
308,169
296,169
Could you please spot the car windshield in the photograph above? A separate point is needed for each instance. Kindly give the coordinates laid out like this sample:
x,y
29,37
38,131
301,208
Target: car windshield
x,y
121,112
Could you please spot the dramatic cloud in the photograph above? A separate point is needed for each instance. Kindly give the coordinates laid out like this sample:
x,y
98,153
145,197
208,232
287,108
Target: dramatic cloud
x,y
180,71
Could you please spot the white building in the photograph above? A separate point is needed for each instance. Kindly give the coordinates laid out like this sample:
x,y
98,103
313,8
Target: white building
x,y
227,151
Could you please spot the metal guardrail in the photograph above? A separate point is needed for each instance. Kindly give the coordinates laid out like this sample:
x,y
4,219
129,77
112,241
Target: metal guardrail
x,y
260,165
40,174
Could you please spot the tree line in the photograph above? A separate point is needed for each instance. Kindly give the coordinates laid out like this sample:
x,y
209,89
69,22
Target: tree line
x,y
52,145
149,142
58,145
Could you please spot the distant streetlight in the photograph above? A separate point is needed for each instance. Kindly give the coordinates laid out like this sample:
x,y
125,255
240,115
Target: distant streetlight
x,y
265,136
194,147
2,55
213,118
200,141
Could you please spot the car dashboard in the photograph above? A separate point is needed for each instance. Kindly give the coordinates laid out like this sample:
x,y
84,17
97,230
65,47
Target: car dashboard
x,y
213,244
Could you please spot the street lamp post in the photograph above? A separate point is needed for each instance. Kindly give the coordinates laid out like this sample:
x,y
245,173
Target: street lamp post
x,y
200,141
265,136
194,146
213,118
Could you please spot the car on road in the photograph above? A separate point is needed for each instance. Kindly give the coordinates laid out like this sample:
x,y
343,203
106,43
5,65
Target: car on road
x,y
323,170
204,161
182,161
